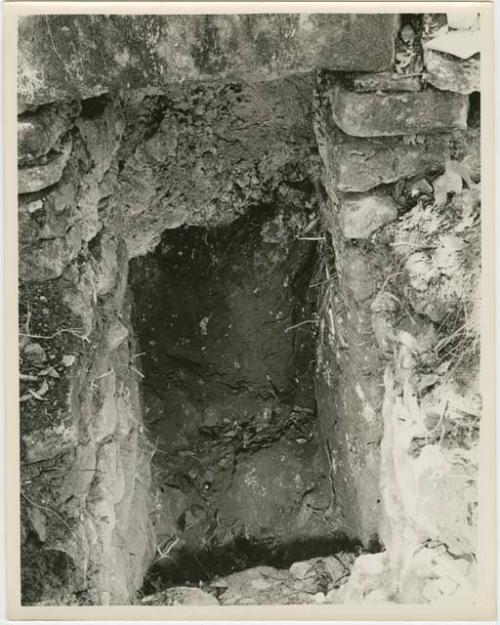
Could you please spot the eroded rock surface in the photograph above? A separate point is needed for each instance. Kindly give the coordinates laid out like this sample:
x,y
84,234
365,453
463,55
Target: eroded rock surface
x,y
216,150
451,74
85,472
395,348
389,114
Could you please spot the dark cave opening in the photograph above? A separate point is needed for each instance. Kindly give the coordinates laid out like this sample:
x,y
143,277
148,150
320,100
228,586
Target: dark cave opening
x,y
226,324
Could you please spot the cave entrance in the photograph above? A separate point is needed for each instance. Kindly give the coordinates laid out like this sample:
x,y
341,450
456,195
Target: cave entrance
x,y
226,322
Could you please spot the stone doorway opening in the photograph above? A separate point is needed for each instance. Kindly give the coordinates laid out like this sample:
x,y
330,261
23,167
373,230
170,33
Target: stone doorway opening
x,y
226,322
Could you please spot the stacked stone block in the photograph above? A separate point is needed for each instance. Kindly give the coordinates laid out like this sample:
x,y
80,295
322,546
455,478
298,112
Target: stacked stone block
x,y
86,534
378,135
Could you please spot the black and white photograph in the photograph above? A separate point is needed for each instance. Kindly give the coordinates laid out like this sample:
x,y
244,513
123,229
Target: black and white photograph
x,y
250,310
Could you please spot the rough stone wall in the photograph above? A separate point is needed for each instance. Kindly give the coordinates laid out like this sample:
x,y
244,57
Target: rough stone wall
x,y
99,181
360,177
398,358
85,471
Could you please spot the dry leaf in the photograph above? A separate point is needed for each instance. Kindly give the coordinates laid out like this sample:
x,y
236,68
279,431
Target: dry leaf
x,y
39,394
43,389
462,44
462,20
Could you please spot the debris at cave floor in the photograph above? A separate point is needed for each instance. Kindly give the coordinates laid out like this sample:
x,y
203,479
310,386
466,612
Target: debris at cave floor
x,y
312,581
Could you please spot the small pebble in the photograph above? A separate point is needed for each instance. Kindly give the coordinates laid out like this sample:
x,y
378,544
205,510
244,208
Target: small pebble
x,y
68,360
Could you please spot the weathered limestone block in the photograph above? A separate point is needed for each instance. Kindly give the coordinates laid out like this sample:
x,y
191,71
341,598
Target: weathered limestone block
x,y
449,73
44,175
362,164
80,299
48,215
49,441
54,222
348,389
154,50
358,273
38,132
28,226
48,229
116,334
385,81
106,264
101,127
47,259
348,369
362,214
374,115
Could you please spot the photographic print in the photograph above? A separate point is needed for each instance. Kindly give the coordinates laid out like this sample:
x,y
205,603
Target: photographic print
x,y
250,314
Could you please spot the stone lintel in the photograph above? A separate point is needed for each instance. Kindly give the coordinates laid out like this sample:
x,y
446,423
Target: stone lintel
x,y
80,56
